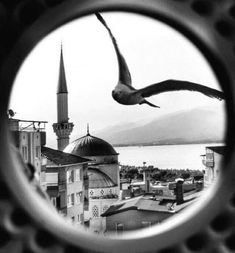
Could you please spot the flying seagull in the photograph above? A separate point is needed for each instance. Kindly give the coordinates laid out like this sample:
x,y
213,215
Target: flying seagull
x,y
124,93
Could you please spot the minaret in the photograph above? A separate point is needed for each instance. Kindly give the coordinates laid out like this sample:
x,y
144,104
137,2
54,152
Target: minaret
x,y
88,131
63,127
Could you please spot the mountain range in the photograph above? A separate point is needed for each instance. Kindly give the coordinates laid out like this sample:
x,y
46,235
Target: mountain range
x,y
200,125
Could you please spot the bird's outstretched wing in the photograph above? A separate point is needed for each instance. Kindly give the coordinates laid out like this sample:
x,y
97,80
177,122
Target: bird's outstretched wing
x,y
176,85
124,73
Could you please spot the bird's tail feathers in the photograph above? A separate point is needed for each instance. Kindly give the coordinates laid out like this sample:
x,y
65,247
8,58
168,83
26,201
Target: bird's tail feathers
x,y
148,103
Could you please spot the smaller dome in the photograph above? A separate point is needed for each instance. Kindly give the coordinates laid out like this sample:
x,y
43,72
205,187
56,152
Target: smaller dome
x,y
98,179
89,145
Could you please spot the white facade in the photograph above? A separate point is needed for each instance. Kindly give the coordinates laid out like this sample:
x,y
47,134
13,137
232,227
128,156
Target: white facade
x,y
66,190
100,192
96,208
212,161
30,148
29,138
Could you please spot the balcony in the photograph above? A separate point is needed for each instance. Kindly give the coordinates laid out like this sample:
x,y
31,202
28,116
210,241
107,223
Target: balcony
x,y
208,160
210,164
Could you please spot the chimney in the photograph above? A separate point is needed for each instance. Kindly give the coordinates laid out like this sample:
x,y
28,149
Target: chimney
x,y
146,178
179,191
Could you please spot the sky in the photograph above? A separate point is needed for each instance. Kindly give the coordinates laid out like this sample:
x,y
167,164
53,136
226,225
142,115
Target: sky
x,y
153,51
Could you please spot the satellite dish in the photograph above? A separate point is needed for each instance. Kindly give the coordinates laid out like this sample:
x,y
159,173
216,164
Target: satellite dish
x,y
11,113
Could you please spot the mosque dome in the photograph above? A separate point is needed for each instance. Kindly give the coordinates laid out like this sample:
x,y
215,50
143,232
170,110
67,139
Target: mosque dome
x,y
98,179
89,145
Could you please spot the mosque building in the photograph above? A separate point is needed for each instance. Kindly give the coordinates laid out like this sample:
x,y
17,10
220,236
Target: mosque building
x,y
103,168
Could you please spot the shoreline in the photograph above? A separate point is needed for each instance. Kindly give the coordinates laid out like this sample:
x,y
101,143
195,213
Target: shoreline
x,y
166,144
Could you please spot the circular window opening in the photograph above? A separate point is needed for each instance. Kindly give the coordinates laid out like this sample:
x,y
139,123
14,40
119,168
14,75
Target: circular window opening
x,y
105,163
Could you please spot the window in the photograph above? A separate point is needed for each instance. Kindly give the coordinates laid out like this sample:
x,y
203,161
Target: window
x,y
119,227
79,197
25,153
70,176
81,217
95,211
58,202
70,199
77,175
37,152
52,179
53,201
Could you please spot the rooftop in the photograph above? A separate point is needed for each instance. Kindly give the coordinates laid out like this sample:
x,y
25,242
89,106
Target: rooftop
x,y
146,203
218,149
26,125
98,179
62,158
89,145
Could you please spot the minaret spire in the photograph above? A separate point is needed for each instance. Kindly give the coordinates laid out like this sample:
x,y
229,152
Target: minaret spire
x,y
88,132
63,127
62,84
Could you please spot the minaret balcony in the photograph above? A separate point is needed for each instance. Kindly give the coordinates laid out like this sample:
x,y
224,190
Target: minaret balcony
x,y
63,130
63,126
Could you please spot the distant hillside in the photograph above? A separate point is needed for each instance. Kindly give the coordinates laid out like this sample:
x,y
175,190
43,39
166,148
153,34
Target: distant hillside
x,y
200,125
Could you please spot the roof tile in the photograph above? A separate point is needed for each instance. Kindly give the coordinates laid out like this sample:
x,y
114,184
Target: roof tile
x,y
62,158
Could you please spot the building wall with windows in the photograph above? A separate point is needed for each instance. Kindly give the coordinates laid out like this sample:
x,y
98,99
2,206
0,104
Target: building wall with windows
x,y
213,162
75,193
142,211
30,147
29,139
65,183
66,190
103,192
97,207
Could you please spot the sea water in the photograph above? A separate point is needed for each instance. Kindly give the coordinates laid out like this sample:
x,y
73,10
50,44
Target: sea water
x,y
165,156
